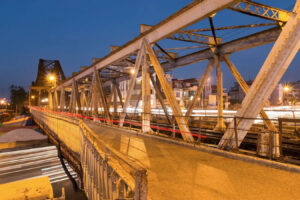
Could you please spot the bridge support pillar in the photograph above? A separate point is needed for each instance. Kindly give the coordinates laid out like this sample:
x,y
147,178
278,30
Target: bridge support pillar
x,y
75,101
39,98
146,97
220,124
56,103
50,100
115,98
83,100
62,99
29,97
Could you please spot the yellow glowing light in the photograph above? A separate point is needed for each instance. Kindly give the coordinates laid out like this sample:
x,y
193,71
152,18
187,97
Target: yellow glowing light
x,y
132,71
32,97
2,101
286,88
51,78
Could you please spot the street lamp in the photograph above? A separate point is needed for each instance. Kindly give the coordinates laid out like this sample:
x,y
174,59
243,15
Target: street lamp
x,y
51,78
132,71
286,88
32,97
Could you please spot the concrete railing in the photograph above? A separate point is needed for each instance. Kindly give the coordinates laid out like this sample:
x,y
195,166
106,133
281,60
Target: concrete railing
x,y
107,174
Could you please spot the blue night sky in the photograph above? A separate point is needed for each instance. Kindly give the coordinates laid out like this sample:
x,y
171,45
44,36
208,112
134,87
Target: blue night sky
x,y
74,31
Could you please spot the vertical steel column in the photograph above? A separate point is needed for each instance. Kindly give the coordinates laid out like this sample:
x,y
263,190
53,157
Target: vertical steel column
x,y
83,100
220,124
50,100
75,101
119,94
146,96
55,100
181,121
39,98
115,98
94,98
62,99
29,97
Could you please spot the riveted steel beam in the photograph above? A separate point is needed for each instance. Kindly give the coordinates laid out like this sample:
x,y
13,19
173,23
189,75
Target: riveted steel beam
x,y
186,36
181,121
245,88
194,37
277,62
260,10
146,97
62,99
190,14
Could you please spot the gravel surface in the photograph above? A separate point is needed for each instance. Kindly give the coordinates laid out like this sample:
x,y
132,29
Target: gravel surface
x,y
21,134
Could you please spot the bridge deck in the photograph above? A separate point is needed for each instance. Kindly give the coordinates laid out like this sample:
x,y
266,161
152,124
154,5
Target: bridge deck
x,y
177,172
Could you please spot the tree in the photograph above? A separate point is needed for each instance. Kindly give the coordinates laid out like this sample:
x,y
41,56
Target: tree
x,y
18,97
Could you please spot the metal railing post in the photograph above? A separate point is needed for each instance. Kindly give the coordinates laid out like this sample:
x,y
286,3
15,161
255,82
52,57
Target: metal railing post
x,y
236,135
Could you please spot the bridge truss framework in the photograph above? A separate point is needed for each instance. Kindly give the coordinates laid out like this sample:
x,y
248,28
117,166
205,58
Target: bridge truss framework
x,y
86,87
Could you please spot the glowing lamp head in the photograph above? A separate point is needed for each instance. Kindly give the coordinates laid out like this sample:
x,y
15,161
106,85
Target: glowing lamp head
x,y
132,71
32,97
51,78
286,88
2,102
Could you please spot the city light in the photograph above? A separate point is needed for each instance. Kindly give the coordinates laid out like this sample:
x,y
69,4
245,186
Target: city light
x,y
286,88
51,78
32,97
45,100
3,102
132,71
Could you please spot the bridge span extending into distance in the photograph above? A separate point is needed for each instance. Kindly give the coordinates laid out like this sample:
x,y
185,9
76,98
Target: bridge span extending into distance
x,y
122,146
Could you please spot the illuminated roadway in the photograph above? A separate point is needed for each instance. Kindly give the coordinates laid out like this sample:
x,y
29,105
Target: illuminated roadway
x,y
178,172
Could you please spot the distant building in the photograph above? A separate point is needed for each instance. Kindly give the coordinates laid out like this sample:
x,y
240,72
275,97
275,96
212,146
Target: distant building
x,y
291,93
276,97
184,91
236,93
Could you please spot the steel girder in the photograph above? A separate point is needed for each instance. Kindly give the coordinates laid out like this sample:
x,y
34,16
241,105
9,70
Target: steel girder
x,y
181,120
245,88
251,41
190,14
260,10
277,62
146,96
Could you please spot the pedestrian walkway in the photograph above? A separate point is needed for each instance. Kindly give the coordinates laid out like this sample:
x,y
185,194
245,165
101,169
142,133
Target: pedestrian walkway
x,y
178,173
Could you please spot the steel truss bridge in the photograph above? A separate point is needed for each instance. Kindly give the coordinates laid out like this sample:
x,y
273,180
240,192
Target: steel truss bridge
x,y
83,96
